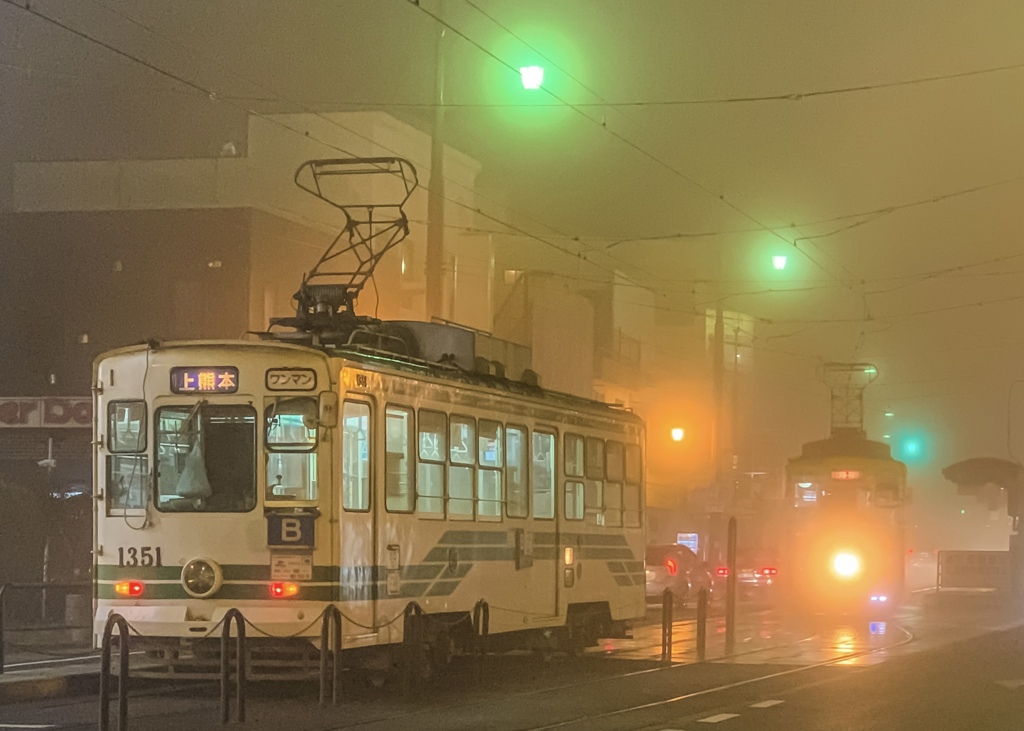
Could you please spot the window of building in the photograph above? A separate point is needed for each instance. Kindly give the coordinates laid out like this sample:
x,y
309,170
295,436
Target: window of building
x,y
356,446
542,475
206,458
291,436
398,461
518,500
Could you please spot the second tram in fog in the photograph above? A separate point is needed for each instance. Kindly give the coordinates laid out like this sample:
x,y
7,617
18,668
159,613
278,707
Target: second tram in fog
x,y
844,534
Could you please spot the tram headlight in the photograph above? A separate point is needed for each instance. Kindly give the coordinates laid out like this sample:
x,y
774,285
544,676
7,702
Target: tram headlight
x,y
846,565
201,578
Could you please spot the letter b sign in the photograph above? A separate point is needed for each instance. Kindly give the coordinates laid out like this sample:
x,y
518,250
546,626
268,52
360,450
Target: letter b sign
x,y
290,530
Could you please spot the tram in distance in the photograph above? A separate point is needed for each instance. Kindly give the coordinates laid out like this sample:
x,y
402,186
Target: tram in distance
x,y
844,527
342,464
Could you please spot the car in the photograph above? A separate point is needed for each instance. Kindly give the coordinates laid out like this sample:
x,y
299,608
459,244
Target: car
x,y
756,574
678,569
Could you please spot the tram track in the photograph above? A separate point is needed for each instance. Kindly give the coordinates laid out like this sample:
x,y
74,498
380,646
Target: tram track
x,y
589,719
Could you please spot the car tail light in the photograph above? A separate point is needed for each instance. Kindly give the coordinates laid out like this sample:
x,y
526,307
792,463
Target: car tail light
x,y
672,567
129,588
769,571
722,571
283,589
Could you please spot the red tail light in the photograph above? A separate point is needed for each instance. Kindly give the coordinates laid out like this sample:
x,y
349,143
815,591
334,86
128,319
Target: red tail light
x,y
129,588
770,571
283,589
670,564
722,571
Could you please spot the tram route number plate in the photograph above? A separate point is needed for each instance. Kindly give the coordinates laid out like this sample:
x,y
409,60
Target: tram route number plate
x,y
291,566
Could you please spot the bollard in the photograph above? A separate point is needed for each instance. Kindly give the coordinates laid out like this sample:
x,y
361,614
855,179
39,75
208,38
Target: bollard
x,y
730,591
232,616
330,643
666,626
482,630
702,624
114,620
411,626
3,592
482,625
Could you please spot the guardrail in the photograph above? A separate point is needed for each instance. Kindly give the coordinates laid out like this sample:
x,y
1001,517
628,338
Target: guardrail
x,y
5,590
118,622
235,617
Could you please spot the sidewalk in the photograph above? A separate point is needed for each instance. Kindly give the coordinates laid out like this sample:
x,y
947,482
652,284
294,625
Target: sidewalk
x,y
32,673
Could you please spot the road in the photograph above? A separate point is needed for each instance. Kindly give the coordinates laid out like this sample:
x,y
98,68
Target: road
x,y
941,663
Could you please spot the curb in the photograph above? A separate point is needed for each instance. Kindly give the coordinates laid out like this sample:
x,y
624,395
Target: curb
x,y
40,687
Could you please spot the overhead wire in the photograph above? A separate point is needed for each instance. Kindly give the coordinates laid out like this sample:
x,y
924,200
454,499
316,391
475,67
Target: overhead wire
x,y
272,119
625,140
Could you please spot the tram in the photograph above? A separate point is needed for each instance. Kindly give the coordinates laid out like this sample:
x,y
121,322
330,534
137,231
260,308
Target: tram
x,y
844,526
364,465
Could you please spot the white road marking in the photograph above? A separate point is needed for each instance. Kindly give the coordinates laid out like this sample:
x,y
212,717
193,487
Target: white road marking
x,y
27,725
1010,684
718,718
766,704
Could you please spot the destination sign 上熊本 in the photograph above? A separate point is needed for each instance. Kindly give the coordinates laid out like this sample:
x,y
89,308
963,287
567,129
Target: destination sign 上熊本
x,y
204,379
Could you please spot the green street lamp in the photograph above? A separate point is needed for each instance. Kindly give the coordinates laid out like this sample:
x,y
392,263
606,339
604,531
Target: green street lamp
x,y
779,262
532,76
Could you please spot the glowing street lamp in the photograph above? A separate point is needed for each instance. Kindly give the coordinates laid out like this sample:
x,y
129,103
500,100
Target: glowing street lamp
x,y
678,433
779,262
532,76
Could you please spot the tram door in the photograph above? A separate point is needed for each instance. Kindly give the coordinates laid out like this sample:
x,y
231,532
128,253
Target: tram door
x,y
358,525
543,482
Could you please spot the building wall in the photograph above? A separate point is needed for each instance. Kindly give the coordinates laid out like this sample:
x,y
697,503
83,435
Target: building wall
x,y
75,284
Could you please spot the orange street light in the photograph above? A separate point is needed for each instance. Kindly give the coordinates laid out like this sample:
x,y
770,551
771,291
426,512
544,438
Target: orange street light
x,y
678,433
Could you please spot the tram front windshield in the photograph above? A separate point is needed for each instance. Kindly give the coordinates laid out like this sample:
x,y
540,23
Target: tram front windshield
x,y
206,458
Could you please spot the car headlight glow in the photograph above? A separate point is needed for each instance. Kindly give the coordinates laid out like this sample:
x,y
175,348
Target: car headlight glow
x,y
846,565
201,578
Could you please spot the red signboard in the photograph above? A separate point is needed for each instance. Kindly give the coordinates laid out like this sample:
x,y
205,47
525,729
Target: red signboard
x,y
46,412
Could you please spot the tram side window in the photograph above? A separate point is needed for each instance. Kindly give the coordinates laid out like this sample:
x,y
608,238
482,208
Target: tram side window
x,y
542,475
127,465
355,456
126,427
398,460
573,500
573,455
593,499
433,454
613,487
206,458
291,448
518,502
632,504
488,477
462,451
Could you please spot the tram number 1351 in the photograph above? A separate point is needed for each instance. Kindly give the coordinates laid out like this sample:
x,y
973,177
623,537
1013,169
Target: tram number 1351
x,y
144,556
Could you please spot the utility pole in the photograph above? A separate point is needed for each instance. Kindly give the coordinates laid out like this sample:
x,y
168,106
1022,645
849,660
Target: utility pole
x,y
435,198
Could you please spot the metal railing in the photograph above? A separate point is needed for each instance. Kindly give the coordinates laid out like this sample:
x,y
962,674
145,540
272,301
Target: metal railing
x,y
235,617
5,590
330,643
119,622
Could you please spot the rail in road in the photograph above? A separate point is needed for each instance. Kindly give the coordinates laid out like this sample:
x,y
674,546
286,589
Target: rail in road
x,y
525,692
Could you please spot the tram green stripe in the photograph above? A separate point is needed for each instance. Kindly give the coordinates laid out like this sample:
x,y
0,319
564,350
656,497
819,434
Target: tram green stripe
x,y
474,537
472,553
